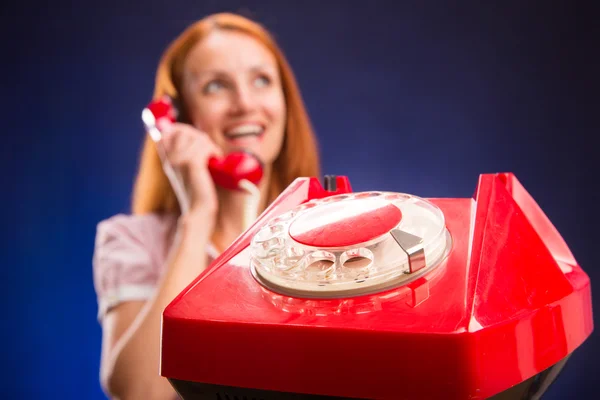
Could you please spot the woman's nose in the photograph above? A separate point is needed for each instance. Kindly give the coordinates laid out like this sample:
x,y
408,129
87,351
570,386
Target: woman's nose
x,y
243,100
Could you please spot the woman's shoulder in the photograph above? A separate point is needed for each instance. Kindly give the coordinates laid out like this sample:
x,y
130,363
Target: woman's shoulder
x,y
134,233
137,224
129,256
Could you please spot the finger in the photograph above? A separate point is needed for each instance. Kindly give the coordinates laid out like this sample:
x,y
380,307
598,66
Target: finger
x,y
180,126
200,150
178,151
190,147
201,136
177,136
210,147
170,130
163,124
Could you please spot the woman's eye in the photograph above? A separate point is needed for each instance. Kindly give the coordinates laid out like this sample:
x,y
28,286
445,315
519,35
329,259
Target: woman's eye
x,y
262,81
213,86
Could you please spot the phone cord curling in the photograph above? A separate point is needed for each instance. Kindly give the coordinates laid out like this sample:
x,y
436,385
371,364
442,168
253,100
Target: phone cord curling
x,y
252,202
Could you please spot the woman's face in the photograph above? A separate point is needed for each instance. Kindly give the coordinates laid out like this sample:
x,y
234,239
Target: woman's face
x,y
233,93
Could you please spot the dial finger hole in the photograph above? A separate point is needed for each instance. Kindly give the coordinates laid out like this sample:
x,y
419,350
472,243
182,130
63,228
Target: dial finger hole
x,y
319,266
367,194
269,232
335,198
305,206
397,197
283,218
288,258
356,263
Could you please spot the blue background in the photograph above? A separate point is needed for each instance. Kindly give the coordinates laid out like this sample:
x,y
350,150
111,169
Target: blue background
x,y
420,97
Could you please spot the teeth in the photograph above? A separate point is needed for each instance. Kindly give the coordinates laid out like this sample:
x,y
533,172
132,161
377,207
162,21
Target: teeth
x,y
242,130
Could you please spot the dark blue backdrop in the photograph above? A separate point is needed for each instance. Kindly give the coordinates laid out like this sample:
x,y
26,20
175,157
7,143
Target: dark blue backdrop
x,y
415,98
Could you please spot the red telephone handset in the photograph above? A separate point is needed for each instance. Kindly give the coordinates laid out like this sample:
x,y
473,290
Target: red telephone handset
x,y
227,172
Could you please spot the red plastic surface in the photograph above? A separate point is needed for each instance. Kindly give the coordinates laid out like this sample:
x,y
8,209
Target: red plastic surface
x,y
228,171
326,227
163,109
507,302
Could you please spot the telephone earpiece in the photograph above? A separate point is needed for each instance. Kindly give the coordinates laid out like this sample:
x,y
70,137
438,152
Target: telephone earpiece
x,y
228,171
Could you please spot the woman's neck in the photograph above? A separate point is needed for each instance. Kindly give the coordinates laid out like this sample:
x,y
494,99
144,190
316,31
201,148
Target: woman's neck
x,y
230,221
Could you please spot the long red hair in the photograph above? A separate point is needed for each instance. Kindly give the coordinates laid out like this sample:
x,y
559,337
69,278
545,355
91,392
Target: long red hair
x,y
299,154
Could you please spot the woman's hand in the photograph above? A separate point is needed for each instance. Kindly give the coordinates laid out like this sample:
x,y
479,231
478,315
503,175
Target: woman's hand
x,y
188,150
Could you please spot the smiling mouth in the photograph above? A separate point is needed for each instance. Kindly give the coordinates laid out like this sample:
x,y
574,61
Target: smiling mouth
x,y
243,131
242,135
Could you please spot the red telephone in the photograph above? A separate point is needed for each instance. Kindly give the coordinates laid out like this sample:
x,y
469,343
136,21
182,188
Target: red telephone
x,y
227,172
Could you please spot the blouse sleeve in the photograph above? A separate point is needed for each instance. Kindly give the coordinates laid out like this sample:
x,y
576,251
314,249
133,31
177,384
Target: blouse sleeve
x,y
124,268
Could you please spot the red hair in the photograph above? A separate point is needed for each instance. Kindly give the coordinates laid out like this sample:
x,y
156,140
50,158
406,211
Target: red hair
x,y
299,154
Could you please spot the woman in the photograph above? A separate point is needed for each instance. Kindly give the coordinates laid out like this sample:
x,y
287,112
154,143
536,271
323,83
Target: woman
x,y
236,90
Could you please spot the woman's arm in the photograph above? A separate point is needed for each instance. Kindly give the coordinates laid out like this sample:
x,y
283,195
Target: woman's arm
x,y
131,330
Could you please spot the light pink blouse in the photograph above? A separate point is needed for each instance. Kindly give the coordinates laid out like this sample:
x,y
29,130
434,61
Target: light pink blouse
x,y
130,257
